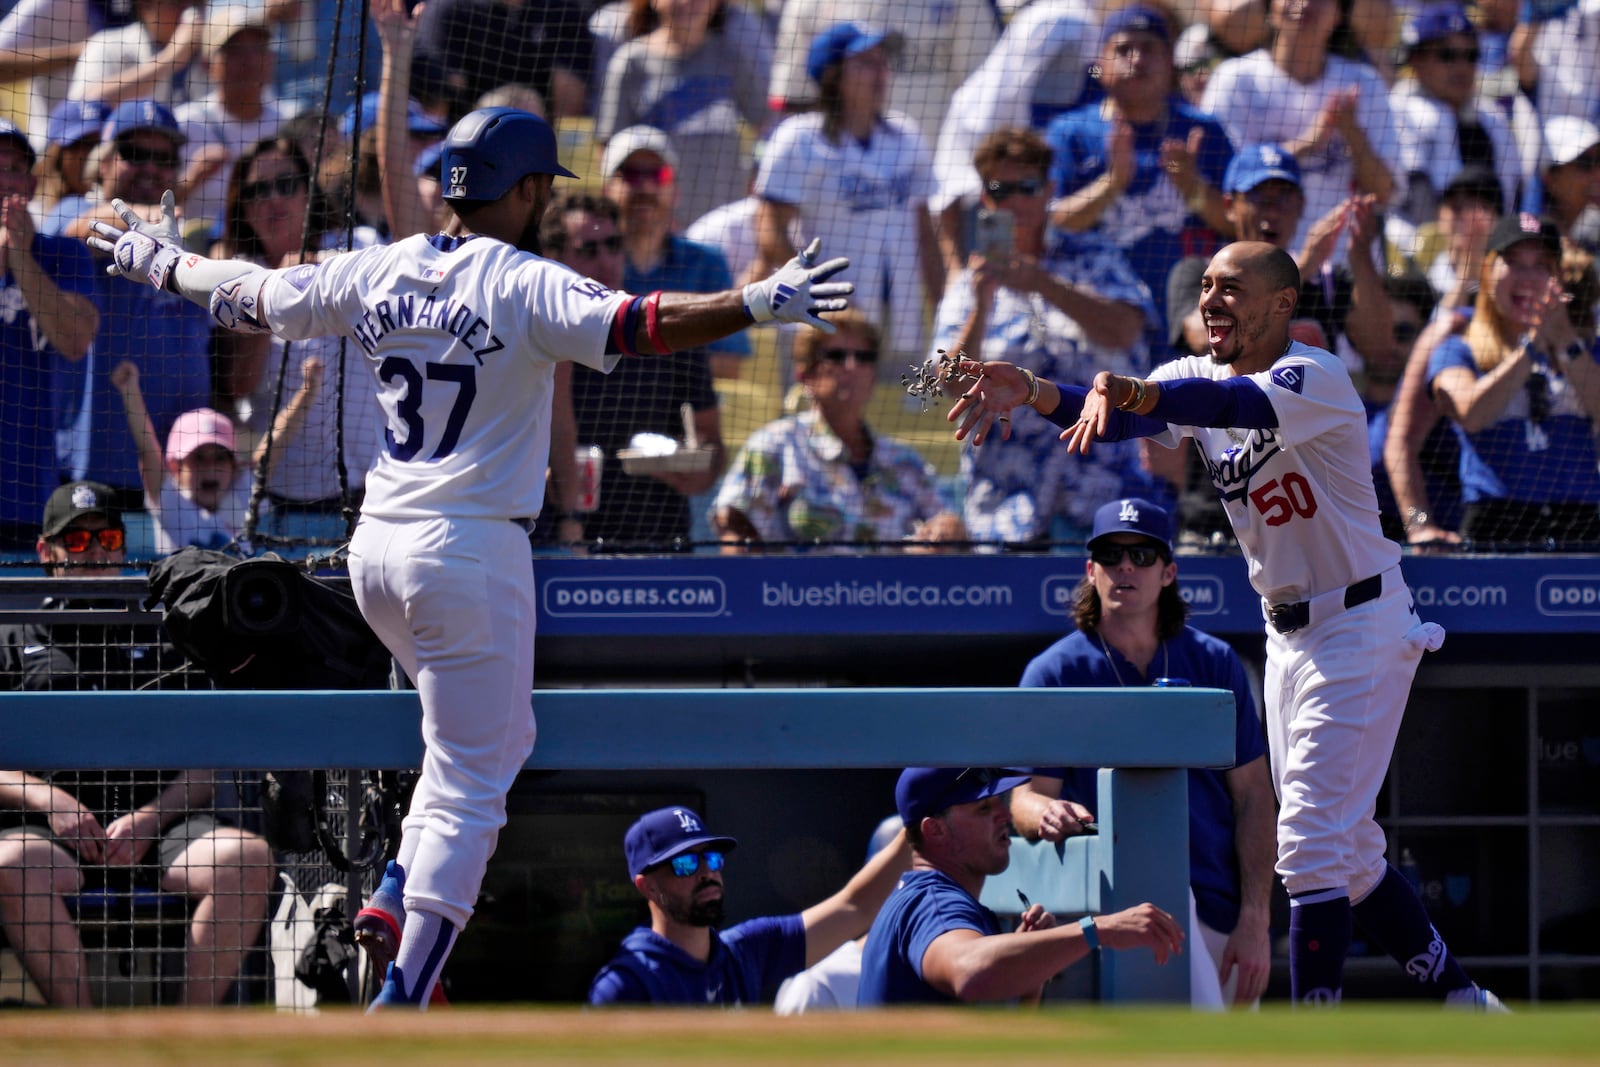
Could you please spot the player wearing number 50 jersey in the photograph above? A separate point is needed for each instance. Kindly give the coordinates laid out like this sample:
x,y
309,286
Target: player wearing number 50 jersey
x,y
462,334
1283,434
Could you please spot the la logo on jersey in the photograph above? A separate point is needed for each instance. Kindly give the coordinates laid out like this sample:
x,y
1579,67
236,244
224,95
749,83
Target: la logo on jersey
x,y
687,822
1129,512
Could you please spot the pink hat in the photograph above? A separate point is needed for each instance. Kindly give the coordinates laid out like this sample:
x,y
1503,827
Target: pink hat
x,y
202,426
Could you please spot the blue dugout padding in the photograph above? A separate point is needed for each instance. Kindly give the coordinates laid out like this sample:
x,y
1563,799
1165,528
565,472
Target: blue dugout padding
x,y
1147,736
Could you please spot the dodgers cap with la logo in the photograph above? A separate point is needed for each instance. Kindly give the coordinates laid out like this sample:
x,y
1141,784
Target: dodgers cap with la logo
x,y
659,835
1136,516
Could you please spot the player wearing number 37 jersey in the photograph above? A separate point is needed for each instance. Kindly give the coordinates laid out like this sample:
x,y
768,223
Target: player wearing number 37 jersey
x,y
1283,435
462,334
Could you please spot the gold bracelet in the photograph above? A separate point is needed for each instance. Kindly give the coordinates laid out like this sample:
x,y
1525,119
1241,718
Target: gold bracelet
x,y
1033,386
1135,396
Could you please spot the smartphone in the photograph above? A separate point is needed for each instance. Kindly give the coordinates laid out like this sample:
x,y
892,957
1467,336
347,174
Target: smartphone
x,y
995,235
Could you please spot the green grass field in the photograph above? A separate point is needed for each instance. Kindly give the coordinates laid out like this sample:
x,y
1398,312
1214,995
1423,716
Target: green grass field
x,y
1079,1036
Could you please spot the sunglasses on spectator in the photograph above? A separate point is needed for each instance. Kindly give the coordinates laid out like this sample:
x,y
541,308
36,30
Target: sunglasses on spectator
x,y
77,542
1006,190
590,249
842,356
1455,55
1111,555
636,176
1405,332
140,155
688,863
265,188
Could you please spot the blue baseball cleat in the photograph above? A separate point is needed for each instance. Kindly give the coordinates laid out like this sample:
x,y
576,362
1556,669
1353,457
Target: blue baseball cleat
x,y
378,927
393,994
1475,998
379,924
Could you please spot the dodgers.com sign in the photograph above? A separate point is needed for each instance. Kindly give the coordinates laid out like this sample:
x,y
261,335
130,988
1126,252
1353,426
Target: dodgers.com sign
x,y
636,596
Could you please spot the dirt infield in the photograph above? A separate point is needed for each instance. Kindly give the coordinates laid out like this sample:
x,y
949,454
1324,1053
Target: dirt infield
x,y
171,1038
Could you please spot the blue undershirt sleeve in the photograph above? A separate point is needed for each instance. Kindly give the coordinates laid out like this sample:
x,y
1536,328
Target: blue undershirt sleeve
x,y
1235,402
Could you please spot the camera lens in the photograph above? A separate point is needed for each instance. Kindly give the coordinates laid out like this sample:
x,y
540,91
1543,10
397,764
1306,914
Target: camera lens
x,y
261,602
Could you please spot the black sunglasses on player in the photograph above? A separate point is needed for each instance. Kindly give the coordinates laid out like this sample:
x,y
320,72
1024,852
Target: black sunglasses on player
x,y
1111,555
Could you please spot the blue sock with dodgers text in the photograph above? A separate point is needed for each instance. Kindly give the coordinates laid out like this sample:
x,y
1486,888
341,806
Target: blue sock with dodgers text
x,y
1392,915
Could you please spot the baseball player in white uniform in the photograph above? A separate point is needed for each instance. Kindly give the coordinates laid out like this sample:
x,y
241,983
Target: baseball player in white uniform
x,y
1283,434
462,334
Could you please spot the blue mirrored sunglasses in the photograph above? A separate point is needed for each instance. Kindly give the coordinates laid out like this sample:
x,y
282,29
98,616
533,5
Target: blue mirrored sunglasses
x,y
689,862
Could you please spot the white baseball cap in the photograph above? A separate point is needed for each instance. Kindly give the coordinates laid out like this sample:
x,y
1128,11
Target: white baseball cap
x,y
1567,137
625,143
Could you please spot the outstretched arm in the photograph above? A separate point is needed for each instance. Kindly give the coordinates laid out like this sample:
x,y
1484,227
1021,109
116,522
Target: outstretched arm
x,y
799,291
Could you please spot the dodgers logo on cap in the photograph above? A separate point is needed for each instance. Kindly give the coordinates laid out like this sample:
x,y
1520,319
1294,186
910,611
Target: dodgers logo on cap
x,y
1136,516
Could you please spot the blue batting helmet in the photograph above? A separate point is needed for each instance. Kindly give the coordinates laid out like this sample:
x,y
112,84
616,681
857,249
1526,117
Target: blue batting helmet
x,y
492,149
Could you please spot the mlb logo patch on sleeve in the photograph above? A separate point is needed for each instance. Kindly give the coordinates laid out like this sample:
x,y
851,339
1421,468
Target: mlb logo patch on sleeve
x,y
1290,378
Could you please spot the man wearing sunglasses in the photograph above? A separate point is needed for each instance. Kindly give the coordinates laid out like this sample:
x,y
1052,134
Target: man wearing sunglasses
x,y
643,174
61,831
166,338
1060,315
933,943
1442,128
589,234
1142,168
684,957
1131,632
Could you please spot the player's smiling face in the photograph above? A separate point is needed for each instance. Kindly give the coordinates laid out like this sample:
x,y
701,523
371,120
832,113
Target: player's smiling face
x,y
1125,587
1235,307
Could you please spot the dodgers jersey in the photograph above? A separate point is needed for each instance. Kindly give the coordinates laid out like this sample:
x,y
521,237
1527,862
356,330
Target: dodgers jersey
x,y
463,336
1300,495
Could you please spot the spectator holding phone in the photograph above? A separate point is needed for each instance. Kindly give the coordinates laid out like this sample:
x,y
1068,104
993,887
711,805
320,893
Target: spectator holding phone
x,y
1054,314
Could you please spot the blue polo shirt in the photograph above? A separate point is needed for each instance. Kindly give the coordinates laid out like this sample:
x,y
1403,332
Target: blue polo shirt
x,y
925,905
748,962
689,267
1203,660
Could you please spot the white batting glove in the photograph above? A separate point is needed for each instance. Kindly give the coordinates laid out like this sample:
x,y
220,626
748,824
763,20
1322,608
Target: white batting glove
x,y
145,251
793,295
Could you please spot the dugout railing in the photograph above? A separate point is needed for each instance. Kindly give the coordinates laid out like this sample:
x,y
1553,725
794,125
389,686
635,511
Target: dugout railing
x,y
1148,737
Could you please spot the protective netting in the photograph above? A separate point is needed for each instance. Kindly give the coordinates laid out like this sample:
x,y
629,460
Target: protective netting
x,y
1072,241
